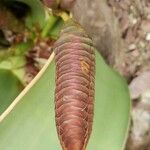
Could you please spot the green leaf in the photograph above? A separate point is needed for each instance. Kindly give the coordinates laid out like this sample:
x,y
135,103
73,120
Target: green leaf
x,y
31,124
37,15
54,32
10,87
22,48
15,65
51,22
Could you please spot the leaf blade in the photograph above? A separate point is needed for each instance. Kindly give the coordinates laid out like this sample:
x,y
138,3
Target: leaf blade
x,y
34,124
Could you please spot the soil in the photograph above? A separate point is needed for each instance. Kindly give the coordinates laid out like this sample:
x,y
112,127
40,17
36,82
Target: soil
x,y
134,21
37,57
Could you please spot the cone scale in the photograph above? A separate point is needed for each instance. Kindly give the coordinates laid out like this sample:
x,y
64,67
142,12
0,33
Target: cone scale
x,y
75,82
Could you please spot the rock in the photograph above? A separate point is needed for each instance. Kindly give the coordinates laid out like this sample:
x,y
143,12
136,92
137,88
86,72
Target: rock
x,y
98,20
145,26
148,37
135,53
132,47
139,85
139,138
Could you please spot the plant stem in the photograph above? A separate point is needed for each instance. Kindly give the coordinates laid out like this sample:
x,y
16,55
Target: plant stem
x,y
49,25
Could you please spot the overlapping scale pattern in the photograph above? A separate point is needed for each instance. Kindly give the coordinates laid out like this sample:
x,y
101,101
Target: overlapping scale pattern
x,y
74,93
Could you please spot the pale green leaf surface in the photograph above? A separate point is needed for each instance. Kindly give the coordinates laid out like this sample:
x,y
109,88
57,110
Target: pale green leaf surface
x,y
13,62
31,124
15,65
10,87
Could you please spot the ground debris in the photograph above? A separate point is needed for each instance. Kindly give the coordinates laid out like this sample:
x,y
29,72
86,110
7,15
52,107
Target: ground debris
x,y
134,20
37,57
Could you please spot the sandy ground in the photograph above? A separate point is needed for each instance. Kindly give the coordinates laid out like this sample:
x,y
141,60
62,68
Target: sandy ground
x,y
134,22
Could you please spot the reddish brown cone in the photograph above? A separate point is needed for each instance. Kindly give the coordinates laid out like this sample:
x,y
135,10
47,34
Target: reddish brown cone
x,y
74,94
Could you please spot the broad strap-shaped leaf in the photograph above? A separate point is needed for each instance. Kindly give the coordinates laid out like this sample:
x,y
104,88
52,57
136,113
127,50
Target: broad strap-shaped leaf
x,y
10,87
31,124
